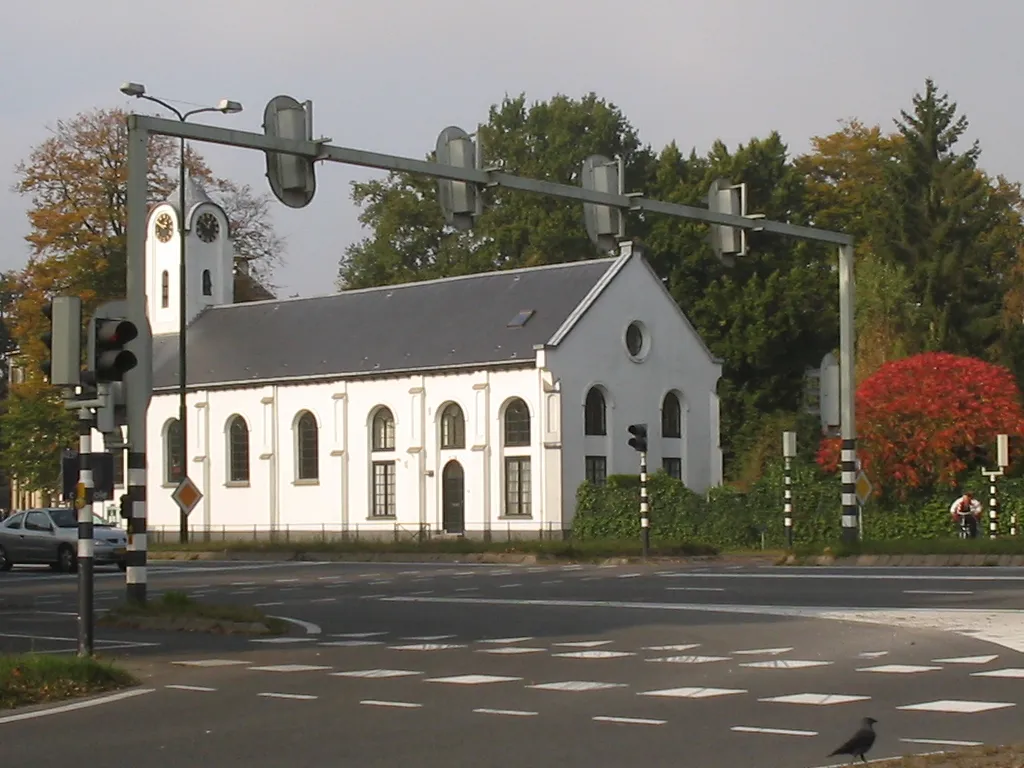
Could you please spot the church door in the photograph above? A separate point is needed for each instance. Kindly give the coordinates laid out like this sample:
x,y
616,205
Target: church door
x,y
453,498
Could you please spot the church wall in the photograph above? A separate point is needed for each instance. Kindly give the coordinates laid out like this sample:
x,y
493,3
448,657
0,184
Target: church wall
x,y
339,499
594,354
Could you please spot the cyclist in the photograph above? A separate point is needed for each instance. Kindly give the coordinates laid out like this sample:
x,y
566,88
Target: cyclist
x,y
966,511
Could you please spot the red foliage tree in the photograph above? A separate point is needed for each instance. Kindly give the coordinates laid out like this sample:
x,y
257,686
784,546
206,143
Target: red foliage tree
x,y
923,420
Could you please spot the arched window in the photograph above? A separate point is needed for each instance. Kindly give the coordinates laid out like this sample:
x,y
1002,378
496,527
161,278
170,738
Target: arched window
x,y
595,420
307,452
207,283
517,424
238,450
453,427
671,416
165,290
174,453
383,430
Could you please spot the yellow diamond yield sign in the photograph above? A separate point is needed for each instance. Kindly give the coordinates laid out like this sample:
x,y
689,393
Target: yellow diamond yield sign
x,y
186,495
863,487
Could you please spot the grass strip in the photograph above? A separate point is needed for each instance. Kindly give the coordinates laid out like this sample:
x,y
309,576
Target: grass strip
x,y
179,611
973,757
35,678
945,546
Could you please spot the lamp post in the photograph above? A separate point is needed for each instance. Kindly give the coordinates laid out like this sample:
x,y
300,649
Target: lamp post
x,y
226,107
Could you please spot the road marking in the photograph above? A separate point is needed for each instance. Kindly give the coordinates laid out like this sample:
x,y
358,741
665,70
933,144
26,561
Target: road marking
x,y
245,583
504,640
358,635
472,679
511,649
628,575
1010,672
576,685
297,696
967,659
944,742
507,586
696,589
376,673
190,688
785,664
818,699
899,669
211,663
937,592
775,731
853,576
421,592
350,643
629,720
585,643
689,659
325,600
310,627
872,654
959,706
593,654
289,668
762,652
685,647
426,647
693,692
76,705
283,581
512,712
552,581
428,638
242,592
401,704
280,640
467,589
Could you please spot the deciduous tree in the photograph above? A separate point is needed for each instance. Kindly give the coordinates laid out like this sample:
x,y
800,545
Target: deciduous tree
x,y
923,421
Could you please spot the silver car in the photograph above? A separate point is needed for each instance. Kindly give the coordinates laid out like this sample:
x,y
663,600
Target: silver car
x,y
50,537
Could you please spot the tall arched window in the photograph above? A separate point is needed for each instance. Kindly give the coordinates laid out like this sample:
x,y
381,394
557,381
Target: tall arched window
x,y
383,430
238,450
671,416
165,290
595,421
382,464
207,283
174,453
517,424
453,427
307,443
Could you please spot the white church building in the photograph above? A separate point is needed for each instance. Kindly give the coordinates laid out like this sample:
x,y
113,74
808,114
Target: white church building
x,y
468,405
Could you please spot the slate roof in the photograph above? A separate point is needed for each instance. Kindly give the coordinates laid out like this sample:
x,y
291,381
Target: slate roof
x,y
460,321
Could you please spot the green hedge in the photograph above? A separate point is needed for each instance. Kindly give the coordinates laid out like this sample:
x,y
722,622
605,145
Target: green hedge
x,y
729,519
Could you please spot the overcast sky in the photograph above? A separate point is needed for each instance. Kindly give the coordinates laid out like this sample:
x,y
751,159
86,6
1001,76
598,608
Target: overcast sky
x,y
388,75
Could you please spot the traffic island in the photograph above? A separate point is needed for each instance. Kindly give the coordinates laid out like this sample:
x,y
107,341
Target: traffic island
x,y
973,757
27,679
176,611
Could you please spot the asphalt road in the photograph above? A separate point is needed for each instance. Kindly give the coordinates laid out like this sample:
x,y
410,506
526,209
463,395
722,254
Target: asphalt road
x,y
439,664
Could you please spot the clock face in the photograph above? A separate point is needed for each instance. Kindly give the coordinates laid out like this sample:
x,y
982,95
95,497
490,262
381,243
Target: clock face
x,y
164,227
207,228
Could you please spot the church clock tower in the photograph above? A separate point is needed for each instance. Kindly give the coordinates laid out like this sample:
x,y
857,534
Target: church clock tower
x,y
209,255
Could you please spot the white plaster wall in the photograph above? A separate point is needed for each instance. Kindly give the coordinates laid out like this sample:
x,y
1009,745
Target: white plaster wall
x,y
340,498
594,353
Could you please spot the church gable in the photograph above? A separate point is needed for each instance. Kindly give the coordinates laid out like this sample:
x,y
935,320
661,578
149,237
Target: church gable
x,y
484,319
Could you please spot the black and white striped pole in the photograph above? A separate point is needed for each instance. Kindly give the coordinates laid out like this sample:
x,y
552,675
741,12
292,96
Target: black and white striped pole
x,y
86,551
1003,460
638,442
788,453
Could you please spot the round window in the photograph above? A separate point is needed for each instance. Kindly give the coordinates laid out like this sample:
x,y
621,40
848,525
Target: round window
x,y
636,340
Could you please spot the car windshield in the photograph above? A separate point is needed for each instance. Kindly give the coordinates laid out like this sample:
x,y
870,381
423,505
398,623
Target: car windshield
x,y
68,518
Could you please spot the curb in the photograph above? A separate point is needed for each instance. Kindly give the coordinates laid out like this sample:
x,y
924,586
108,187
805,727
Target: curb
x,y
496,558
893,561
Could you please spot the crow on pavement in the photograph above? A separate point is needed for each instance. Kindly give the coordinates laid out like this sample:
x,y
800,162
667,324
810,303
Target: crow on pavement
x,y
858,744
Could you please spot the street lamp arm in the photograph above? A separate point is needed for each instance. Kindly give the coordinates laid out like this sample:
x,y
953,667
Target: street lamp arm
x,y
198,111
162,103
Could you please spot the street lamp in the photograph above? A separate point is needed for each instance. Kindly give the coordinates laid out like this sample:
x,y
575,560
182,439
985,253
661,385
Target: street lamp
x,y
227,107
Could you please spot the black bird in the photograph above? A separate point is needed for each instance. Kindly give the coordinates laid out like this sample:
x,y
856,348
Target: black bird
x,y
858,744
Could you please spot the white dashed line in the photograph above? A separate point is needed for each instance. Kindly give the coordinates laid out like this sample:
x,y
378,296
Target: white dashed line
x,y
898,669
593,654
629,720
958,706
511,650
689,659
937,592
399,704
762,652
944,742
696,589
290,668
775,731
511,712
426,647
684,647
211,663
817,699
504,640
190,688
576,685
350,643
428,638
1011,672
358,635
376,673
472,679
967,659
693,692
585,643
297,696
280,640
268,605
785,664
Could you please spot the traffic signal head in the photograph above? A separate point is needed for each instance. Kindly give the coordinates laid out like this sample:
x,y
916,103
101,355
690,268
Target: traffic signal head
x,y
108,358
125,507
638,441
62,363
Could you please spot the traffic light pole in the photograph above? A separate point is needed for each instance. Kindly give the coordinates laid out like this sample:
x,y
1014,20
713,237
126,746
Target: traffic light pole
x,y
86,552
645,509
141,127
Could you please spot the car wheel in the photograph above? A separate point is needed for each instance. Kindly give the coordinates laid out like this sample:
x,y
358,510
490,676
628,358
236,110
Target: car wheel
x,y
67,562
5,562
